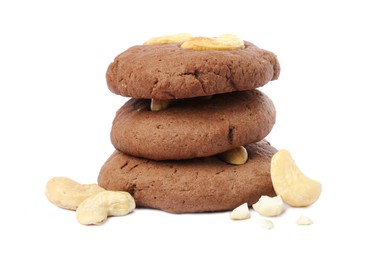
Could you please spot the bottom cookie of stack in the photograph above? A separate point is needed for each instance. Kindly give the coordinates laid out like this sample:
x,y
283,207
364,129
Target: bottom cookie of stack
x,y
195,185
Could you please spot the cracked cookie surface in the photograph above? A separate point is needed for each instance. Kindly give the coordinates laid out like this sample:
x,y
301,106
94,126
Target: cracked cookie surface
x,y
196,185
191,128
168,72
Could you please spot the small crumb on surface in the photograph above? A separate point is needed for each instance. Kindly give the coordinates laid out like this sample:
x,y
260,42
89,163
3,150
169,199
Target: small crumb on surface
x,y
240,213
266,223
303,220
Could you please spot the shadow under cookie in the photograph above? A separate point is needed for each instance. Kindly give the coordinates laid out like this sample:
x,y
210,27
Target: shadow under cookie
x,y
197,185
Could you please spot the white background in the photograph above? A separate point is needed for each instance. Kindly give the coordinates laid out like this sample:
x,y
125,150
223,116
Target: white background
x,y
56,114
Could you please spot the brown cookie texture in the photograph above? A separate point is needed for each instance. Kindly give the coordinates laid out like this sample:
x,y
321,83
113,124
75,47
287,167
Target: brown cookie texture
x,y
167,71
191,128
196,185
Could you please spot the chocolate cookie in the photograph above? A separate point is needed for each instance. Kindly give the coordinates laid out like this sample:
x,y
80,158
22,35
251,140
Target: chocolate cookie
x,y
196,185
168,72
191,128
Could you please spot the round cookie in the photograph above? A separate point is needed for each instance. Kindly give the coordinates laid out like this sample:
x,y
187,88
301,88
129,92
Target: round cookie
x,y
196,185
167,71
191,128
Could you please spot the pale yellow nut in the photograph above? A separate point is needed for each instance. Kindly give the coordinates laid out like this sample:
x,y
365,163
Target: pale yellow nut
x,y
269,206
67,193
159,104
290,183
236,156
240,213
266,223
95,209
174,38
303,220
223,42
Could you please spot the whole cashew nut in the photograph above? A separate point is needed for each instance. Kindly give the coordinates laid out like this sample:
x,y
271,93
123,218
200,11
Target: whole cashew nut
x,y
96,209
68,194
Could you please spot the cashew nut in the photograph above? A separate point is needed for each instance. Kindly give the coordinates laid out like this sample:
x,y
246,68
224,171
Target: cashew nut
x,y
68,194
159,104
96,209
290,183
266,223
303,220
174,38
236,156
240,213
223,42
269,206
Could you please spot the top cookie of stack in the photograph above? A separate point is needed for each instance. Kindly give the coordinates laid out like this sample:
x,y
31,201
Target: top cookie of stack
x,y
186,74
172,67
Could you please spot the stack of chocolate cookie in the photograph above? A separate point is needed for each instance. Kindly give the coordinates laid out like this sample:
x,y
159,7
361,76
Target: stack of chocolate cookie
x,y
189,106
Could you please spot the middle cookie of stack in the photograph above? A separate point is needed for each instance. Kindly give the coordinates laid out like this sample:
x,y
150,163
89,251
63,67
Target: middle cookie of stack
x,y
194,127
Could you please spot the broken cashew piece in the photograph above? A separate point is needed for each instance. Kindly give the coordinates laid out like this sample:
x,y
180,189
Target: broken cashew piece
x,y
290,183
159,104
174,38
96,209
67,193
269,206
303,220
236,156
266,223
240,213
223,42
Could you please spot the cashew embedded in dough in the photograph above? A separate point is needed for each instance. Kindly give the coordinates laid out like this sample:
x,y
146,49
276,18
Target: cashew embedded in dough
x,y
236,156
159,104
